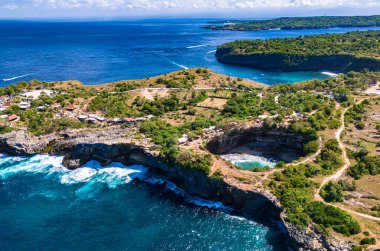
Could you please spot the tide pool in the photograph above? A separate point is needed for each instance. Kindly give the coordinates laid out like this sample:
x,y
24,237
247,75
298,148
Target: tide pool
x,y
248,161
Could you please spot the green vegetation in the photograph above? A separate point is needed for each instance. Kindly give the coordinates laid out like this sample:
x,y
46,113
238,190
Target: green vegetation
x,y
5,129
294,189
293,23
165,137
329,216
336,52
356,113
40,123
330,157
217,175
192,160
340,86
311,147
113,105
333,191
123,86
365,165
368,241
242,105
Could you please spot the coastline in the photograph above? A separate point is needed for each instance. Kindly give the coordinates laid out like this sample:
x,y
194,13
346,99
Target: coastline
x,y
107,147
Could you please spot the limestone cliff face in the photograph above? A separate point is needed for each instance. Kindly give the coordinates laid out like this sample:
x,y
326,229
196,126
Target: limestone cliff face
x,y
241,136
19,143
192,181
112,146
287,63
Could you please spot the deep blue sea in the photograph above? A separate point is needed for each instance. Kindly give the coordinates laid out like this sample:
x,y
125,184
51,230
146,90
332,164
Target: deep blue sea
x,y
100,52
44,206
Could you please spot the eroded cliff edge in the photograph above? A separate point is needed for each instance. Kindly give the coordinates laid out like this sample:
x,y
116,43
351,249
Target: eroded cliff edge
x,y
112,145
289,62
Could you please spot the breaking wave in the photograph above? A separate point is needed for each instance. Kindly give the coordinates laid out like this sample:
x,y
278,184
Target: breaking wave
x,y
244,159
91,174
330,74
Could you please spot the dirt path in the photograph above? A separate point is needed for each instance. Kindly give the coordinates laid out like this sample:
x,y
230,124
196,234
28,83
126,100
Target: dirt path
x,y
309,158
355,213
342,170
346,161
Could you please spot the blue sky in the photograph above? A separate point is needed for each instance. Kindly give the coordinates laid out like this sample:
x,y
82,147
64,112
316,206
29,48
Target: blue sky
x,y
189,8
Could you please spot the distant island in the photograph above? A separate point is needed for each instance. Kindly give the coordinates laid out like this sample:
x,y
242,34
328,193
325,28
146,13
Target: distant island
x,y
181,124
297,23
354,51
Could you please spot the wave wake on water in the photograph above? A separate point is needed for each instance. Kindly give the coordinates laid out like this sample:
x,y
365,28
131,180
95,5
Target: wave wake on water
x,y
197,46
17,77
179,65
92,174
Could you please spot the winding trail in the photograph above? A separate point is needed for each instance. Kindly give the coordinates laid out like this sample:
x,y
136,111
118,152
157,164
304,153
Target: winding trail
x,y
346,161
342,170
309,158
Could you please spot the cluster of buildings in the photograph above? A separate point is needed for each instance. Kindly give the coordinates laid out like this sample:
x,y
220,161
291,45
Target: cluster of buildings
x,y
6,102
96,119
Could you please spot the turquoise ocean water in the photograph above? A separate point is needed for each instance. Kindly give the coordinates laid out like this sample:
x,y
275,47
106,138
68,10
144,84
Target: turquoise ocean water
x,y
46,207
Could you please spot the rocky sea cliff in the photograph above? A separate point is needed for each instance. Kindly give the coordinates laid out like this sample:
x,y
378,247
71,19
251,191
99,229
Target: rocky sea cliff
x,y
289,62
111,145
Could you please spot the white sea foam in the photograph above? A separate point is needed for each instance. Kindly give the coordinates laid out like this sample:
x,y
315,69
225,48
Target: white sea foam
x,y
91,174
246,158
113,175
17,77
179,65
83,174
330,74
36,164
197,46
188,198
210,52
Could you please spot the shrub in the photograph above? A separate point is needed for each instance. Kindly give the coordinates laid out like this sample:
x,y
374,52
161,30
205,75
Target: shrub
x,y
366,165
311,147
368,241
217,175
328,216
190,159
5,129
332,192
280,164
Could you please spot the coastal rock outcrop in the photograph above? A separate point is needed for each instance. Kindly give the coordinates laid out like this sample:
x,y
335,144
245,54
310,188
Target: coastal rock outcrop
x,y
240,136
288,63
19,143
113,145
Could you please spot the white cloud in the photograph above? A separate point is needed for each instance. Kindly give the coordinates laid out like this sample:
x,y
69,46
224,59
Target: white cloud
x,y
10,6
198,4
173,7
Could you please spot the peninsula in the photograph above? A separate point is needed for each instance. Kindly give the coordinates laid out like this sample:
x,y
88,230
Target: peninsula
x,y
335,52
181,124
297,23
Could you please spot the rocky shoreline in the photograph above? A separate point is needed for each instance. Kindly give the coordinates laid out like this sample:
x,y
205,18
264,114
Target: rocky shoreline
x,y
279,62
112,145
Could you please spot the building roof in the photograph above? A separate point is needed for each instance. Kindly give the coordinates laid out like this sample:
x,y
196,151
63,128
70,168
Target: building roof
x,y
70,107
7,104
130,119
12,117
